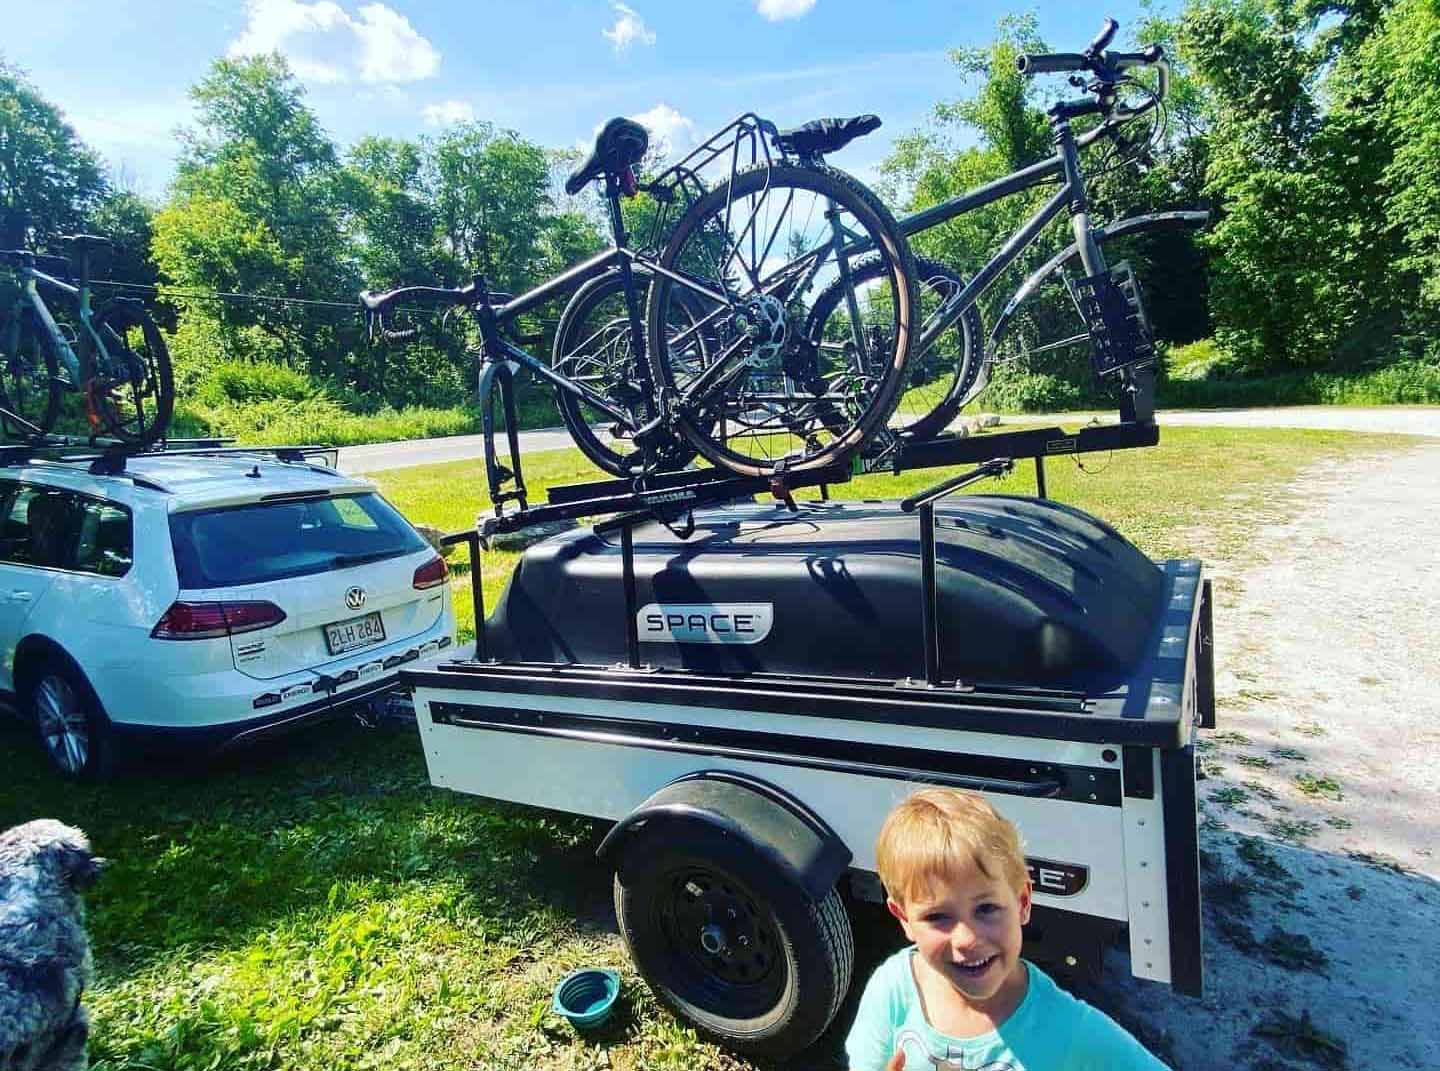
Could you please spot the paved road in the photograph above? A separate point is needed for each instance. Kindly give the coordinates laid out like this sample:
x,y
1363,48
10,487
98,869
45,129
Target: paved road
x,y
1418,420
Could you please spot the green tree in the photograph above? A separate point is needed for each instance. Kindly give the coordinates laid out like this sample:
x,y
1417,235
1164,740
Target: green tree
x,y
491,197
1325,121
1392,84
392,215
49,180
255,209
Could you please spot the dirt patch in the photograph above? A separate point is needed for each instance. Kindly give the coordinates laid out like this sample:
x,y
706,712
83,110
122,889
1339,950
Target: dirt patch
x,y
1319,809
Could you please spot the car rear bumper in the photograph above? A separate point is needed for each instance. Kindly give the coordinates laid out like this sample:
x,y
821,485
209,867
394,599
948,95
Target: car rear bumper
x,y
227,736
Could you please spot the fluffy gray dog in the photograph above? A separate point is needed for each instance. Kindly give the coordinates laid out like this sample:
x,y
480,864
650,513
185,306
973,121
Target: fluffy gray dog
x,y
44,954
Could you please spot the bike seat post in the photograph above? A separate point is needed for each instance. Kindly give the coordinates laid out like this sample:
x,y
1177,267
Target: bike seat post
x,y
80,270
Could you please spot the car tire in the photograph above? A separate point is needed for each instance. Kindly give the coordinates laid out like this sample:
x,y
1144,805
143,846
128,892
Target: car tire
x,y
732,944
69,722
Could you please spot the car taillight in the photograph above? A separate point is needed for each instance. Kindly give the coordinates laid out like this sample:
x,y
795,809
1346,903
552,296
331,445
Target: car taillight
x,y
207,620
432,574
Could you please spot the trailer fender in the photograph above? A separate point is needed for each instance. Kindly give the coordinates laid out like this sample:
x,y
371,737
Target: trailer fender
x,y
778,826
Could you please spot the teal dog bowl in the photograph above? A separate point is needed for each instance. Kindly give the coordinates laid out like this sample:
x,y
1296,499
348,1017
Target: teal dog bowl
x,y
585,998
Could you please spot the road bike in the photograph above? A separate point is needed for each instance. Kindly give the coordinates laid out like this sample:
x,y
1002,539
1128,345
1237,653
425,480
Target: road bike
x,y
718,363
953,357
113,355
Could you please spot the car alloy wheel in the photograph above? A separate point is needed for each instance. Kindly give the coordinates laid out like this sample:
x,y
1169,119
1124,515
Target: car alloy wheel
x,y
63,724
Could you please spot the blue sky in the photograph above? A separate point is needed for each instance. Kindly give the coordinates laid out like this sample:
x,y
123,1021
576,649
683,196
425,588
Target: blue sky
x,y
552,70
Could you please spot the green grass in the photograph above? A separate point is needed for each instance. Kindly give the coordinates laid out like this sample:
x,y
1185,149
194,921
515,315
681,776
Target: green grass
x,y
319,905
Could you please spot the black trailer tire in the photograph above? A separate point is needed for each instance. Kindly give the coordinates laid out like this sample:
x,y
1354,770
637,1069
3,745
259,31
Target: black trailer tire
x,y
765,973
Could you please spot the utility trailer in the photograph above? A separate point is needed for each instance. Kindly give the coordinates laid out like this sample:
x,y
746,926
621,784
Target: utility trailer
x,y
746,697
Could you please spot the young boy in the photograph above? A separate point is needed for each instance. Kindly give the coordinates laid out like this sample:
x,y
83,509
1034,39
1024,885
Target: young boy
x,y
960,998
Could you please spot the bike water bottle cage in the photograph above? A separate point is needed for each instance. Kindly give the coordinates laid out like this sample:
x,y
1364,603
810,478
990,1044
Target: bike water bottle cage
x,y
820,137
619,146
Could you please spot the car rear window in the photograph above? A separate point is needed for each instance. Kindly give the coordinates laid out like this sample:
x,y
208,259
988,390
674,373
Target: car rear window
x,y
273,540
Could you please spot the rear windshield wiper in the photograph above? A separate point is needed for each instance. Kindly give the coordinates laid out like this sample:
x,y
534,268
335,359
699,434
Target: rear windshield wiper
x,y
340,561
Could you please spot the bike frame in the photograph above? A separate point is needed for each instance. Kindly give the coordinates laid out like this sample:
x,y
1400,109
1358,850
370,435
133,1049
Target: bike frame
x,y
496,347
72,361
1065,165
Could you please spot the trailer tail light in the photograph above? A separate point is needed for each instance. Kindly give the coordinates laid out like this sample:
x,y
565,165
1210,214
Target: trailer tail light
x,y
208,620
432,574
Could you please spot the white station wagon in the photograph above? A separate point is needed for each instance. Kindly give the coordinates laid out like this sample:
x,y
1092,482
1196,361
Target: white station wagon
x,y
202,599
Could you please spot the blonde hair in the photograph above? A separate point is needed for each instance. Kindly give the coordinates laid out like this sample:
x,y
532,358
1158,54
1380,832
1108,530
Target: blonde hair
x,y
935,832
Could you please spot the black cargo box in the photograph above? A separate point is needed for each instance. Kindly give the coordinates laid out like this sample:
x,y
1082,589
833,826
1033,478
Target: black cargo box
x,y
1030,592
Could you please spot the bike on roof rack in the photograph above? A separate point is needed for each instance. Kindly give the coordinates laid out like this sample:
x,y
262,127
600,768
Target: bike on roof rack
x,y
719,366
115,357
953,355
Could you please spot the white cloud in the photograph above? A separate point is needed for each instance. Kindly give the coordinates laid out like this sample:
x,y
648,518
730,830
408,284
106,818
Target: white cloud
x,y
448,112
668,128
324,43
629,28
776,10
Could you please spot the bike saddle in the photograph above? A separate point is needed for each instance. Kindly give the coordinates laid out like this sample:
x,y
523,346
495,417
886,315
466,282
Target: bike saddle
x,y
619,146
820,137
83,243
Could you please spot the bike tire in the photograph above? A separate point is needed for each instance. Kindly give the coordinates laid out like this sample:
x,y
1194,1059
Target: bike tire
x,y
788,429
29,372
935,380
135,406
593,345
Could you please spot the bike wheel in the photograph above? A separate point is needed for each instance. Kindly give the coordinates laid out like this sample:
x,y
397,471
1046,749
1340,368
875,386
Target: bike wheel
x,y
131,392
749,389
594,347
29,372
935,380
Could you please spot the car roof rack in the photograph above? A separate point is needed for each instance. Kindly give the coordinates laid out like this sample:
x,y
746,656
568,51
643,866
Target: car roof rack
x,y
110,458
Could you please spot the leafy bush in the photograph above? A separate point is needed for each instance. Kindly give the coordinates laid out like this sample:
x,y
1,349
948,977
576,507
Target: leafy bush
x,y
1196,360
1412,382
246,382
1014,390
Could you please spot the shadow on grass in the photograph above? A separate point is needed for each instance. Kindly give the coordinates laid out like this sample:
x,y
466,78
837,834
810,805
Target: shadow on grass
x,y
207,855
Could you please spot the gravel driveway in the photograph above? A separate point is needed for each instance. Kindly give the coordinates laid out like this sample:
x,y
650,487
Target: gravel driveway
x,y
1323,791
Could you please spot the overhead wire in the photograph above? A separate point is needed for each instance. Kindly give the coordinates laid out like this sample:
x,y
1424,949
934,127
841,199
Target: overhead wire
x,y
166,293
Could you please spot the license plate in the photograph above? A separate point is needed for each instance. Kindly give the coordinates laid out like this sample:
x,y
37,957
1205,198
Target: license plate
x,y
354,634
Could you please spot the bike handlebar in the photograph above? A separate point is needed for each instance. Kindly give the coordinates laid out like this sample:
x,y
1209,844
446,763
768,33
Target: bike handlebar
x,y
376,305
1052,62
1107,67
24,258
1104,37
379,303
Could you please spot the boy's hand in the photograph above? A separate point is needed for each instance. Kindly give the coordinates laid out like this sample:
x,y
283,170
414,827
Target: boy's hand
x,y
897,1062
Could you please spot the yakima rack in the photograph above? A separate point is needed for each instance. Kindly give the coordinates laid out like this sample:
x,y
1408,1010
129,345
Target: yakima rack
x,y
111,458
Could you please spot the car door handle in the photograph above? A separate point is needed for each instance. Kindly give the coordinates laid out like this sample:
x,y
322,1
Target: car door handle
x,y
21,596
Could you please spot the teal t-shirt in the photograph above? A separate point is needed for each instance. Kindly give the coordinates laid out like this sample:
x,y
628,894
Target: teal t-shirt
x,y
1049,1031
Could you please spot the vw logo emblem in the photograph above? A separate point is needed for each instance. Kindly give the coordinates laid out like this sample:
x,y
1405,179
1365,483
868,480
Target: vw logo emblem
x,y
355,598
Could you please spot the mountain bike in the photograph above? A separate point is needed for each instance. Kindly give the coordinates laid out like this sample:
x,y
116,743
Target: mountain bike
x,y
717,363
953,357
114,356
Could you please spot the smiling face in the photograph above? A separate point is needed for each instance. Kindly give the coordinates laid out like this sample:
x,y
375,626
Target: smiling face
x,y
966,931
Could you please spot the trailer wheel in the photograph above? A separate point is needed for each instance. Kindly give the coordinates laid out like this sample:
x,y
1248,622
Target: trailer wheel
x,y
730,943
